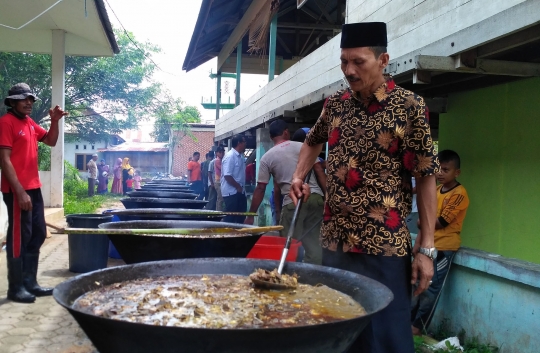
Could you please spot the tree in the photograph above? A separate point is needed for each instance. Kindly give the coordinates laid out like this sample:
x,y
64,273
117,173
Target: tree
x,y
172,116
103,95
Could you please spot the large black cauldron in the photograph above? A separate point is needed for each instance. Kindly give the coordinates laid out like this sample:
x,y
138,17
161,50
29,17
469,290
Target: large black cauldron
x,y
147,214
162,194
110,336
143,248
156,202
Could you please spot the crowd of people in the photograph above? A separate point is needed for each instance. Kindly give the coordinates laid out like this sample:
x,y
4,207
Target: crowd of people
x,y
125,177
356,202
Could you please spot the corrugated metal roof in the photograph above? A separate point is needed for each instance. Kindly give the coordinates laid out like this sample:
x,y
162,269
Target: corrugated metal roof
x,y
217,19
137,147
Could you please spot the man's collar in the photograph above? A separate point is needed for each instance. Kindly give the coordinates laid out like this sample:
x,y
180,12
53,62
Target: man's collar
x,y
15,115
380,94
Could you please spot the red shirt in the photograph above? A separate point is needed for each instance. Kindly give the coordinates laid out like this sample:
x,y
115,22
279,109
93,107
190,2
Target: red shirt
x,y
250,173
21,136
195,168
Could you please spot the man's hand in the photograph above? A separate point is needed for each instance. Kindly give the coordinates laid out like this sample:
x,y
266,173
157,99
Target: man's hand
x,y
24,200
422,272
57,113
299,188
239,189
249,220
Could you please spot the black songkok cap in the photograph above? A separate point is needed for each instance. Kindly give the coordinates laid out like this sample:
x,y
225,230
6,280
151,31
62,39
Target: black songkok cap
x,y
365,34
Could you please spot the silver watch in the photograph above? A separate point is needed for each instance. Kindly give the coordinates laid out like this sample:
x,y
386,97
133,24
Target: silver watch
x,y
429,252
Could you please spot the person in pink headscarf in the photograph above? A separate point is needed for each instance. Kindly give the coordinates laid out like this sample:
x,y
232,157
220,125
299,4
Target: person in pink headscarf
x,y
117,181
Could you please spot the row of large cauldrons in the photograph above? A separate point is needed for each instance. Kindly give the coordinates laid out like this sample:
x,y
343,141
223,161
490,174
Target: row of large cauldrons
x,y
166,193
169,224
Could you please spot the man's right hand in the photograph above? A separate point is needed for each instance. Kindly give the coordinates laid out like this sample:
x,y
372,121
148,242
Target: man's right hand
x,y
249,220
299,188
24,200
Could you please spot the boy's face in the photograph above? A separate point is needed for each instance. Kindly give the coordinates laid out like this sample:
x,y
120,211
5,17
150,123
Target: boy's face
x,y
219,155
448,173
196,157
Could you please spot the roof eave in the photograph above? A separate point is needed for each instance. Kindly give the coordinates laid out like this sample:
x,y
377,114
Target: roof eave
x,y
199,26
104,18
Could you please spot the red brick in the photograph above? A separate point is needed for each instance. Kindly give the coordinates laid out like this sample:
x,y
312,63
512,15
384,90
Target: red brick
x,y
186,146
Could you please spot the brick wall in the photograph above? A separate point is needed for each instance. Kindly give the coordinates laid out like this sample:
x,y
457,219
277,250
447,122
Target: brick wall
x,y
185,148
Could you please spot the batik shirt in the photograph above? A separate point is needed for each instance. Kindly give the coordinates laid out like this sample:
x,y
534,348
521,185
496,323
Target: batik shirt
x,y
375,146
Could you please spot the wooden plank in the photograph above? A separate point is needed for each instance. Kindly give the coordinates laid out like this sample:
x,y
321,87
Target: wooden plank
x,y
240,30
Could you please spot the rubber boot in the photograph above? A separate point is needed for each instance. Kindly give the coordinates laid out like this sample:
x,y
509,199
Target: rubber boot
x,y
30,267
16,290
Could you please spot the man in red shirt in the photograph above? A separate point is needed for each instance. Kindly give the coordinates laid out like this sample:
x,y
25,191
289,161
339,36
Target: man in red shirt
x,y
194,176
20,185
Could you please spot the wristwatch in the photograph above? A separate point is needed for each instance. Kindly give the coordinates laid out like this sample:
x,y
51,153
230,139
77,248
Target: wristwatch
x,y
429,252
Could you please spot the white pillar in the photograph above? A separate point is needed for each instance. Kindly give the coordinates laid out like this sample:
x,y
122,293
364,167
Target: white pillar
x,y
58,96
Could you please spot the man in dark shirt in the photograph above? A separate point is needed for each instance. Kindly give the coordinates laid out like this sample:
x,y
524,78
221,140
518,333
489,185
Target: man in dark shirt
x,y
378,138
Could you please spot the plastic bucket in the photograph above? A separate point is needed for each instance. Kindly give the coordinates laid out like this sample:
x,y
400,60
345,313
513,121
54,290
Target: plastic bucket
x,y
87,252
271,248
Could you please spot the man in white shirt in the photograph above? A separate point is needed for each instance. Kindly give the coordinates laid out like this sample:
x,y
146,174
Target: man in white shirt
x,y
233,180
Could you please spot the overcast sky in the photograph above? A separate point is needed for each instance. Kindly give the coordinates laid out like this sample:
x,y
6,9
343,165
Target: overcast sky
x,y
169,24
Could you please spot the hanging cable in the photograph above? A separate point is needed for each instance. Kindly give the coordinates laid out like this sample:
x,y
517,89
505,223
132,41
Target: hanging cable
x,y
135,44
35,18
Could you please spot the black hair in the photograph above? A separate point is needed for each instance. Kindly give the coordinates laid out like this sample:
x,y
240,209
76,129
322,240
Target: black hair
x,y
220,149
450,156
210,154
277,128
378,51
236,140
299,135
196,154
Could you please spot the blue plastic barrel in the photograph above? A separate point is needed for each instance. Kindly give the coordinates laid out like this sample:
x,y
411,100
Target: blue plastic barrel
x,y
113,253
87,252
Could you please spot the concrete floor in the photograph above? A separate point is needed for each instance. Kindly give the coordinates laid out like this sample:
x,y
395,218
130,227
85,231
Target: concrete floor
x,y
43,326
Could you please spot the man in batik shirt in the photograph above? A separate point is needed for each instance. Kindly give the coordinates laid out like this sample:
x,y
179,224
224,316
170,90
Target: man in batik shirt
x,y
378,137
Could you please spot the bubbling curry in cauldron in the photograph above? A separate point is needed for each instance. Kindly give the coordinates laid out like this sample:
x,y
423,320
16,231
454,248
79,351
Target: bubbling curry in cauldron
x,y
217,301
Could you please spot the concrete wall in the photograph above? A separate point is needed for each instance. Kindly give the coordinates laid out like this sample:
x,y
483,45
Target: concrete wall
x,y
413,24
495,131
70,150
493,298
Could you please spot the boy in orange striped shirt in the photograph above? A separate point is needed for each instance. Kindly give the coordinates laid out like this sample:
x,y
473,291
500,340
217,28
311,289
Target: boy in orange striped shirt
x,y
452,204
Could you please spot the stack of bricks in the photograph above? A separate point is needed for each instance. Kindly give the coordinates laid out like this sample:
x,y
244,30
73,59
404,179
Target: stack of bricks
x,y
204,140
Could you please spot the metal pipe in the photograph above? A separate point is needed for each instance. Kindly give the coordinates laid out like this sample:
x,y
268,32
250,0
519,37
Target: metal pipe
x,y
272,51
238,71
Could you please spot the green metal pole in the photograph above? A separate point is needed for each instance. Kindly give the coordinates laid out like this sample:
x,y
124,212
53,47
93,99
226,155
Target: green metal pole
x,y
218,95
272,51
238,71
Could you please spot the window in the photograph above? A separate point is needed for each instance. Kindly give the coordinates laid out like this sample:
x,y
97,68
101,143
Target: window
x,y
92,146
81,160
84,147
76,147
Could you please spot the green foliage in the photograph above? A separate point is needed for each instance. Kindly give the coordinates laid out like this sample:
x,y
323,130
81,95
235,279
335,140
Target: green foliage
x,y
172,115
44,157
76,198
442,332
121,86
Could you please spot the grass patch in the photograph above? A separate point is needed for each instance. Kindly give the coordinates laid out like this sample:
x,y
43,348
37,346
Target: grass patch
x,y
76,199
443,331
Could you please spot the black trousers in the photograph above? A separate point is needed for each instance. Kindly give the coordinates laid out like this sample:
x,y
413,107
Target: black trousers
x,y
27,229
235,203
91,186
390,329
